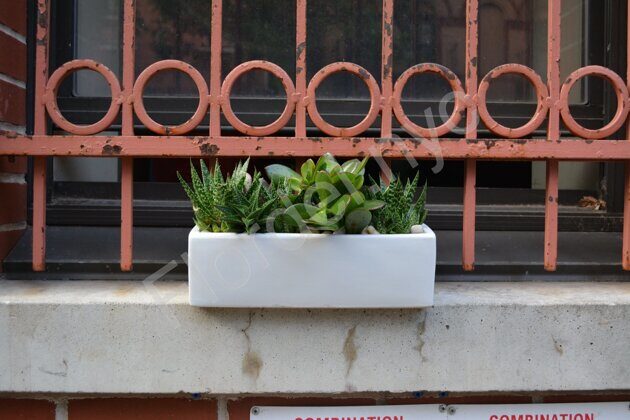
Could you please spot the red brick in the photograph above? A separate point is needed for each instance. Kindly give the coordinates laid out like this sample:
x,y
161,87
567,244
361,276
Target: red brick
x,y
13,58
13,165
575,398
463,399
17,409
239,409
14,198
142,408
13,15
7,242
12,103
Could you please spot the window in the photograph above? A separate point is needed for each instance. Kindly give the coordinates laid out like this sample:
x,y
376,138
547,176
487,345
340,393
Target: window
x,y
425,31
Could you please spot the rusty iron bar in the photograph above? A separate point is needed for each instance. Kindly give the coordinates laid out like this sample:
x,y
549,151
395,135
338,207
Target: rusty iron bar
x,y
556,101
300,69
138,93
566,149
126,181
470,165
387,84
39,163
300,74
272,127
216,45
553,133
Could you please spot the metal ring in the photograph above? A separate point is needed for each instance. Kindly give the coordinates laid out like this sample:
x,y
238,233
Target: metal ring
x,y
52,87
375,96
621,91
289,89
152,70
542,95
456,87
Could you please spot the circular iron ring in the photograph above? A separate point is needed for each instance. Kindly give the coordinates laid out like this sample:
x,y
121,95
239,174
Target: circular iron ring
x,y
52,87
621,91
375,97
542,95
456,87
289,89
152,70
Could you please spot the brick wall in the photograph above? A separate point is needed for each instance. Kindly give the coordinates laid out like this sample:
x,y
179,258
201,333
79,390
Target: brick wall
x,y
186,408
12,118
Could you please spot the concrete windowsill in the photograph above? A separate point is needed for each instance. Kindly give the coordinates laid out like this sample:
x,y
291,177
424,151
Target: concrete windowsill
x,y
135,337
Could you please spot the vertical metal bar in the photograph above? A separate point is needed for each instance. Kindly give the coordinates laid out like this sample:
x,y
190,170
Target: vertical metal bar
x,y
126,182
470,172
216,45
39,163
553,133
626,210
300,74
300,68
387,69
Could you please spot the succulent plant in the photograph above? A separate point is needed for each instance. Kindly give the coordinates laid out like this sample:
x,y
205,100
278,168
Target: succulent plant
x,y
322,197
237,203
326,196
205,194
400,211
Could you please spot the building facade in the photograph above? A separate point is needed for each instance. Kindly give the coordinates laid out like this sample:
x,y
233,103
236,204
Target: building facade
x,y
514,111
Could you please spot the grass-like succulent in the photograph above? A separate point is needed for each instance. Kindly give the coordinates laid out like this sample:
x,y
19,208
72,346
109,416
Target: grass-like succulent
x,y
236,203
401,210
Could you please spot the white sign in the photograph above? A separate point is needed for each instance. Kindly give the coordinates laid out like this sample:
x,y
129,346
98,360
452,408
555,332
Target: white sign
x,y
375,412
586,411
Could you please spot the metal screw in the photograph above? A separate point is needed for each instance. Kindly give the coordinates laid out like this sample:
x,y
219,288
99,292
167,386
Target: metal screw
x,y
255,411
451,410
442,408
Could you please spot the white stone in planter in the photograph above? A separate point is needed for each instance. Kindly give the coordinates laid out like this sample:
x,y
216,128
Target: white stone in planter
x,y
288,270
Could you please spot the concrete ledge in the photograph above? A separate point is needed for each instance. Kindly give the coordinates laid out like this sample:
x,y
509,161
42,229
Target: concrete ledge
x,y
135,337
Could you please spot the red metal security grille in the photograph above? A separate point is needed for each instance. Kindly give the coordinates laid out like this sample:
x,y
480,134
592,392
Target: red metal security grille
x,y
214,97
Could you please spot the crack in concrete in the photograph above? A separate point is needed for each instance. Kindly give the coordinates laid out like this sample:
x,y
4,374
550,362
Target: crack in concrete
x,y
62,373
421,327
350,349
252,363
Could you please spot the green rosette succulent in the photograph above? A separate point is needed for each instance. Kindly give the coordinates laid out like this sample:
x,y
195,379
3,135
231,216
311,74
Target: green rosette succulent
x,y
325,196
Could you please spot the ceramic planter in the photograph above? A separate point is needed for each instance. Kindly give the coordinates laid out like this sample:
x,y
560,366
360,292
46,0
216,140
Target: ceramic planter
x,y
288,270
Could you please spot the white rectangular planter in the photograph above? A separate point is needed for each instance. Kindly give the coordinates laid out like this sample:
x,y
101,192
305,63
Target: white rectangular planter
x,y
288,270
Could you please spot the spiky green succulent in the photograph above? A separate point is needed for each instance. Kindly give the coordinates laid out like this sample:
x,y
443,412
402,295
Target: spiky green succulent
x,y
236,203
401,210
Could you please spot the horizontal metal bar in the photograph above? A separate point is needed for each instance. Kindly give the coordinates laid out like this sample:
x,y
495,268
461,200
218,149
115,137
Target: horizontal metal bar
x,y
186,146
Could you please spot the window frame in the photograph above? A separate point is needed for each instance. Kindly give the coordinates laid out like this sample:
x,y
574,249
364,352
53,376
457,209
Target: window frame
x,y
489,217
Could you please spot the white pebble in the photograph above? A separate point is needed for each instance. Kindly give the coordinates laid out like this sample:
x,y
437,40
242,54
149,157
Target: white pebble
x,y
417,229
370,230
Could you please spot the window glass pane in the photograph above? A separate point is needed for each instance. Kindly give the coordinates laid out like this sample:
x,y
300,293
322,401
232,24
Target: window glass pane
x,y
344,31
259,30
97,37
173,29
510,31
